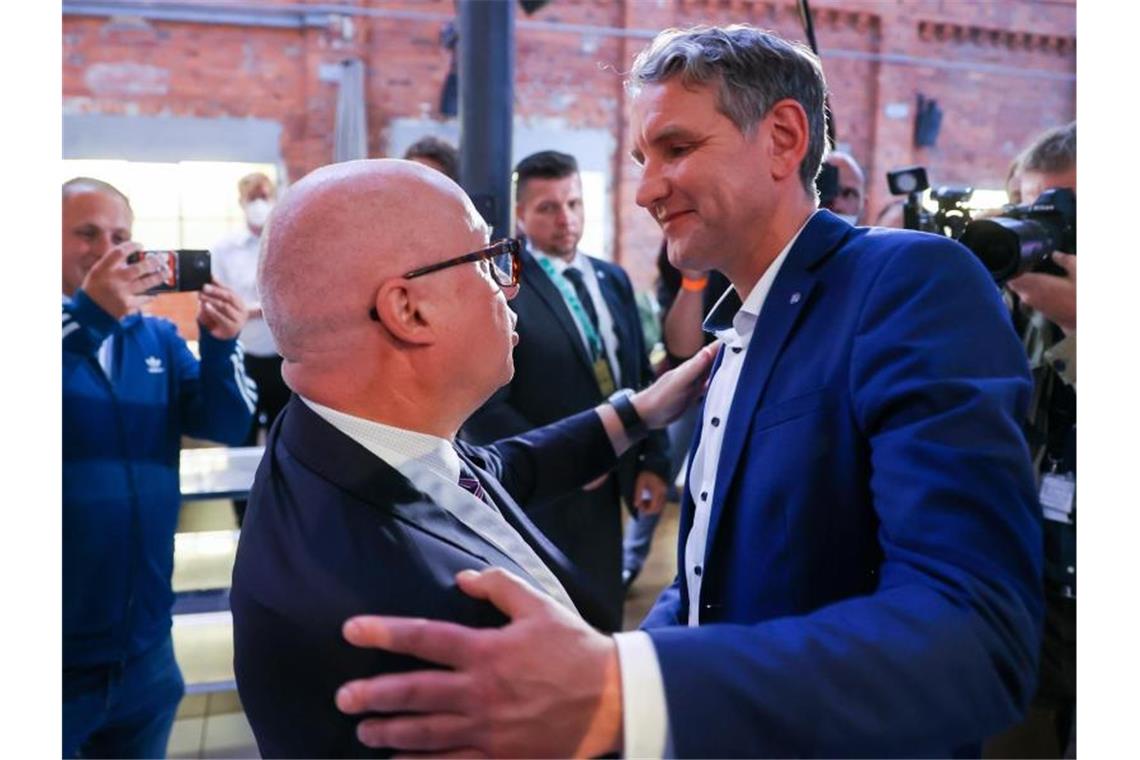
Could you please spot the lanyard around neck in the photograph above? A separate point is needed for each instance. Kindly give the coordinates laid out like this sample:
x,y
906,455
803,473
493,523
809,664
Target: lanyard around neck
x,y
575,304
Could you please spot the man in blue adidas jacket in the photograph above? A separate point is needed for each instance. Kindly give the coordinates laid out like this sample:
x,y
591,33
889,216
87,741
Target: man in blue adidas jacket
x,y
131,389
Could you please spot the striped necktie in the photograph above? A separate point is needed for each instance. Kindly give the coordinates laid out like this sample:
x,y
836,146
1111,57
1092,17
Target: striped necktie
x,y
471,484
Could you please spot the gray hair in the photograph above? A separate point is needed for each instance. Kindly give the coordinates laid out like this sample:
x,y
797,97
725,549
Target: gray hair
x,y
754,70
1054,150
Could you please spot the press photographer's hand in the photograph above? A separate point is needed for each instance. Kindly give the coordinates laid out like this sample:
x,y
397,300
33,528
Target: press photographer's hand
x,y
1052,295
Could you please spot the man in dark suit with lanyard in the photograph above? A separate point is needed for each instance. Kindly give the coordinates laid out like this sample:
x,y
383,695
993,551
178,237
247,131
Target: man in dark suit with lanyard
x,y
580,341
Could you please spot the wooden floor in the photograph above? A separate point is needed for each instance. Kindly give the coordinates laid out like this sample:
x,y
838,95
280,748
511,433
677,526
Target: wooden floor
x,y
660,568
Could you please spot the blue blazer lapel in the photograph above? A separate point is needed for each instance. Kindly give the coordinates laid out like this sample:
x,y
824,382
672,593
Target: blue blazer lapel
x,y
548,294
790,296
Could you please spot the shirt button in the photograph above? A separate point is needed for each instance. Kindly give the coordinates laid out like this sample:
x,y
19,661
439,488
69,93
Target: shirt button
x,y
697,570
704,495
737,349
715,421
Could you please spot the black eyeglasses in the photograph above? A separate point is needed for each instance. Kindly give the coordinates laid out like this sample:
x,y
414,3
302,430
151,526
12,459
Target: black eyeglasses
x,y
504,258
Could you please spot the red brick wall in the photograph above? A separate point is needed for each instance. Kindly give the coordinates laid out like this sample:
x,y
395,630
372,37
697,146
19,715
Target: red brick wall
x,y
121,66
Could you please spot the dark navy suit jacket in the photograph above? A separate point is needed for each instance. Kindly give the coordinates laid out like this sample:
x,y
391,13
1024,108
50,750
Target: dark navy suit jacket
x,y
554,378
872,580
331,531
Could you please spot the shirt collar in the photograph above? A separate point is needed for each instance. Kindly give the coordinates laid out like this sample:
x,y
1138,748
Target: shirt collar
x,y
579,261
399,447
730,318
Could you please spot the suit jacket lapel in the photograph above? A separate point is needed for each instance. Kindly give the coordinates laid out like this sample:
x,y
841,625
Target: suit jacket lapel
x,y
619,312
551,556
325,450
549,296
789,298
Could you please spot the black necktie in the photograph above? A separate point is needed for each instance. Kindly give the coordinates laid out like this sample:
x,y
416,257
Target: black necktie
x,y
575,278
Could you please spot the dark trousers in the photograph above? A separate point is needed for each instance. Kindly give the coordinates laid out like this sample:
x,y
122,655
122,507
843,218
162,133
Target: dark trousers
x,y
639,528
1049,728
122,709
272,395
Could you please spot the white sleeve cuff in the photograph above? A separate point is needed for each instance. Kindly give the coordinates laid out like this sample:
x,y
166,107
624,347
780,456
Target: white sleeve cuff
x,y
645,719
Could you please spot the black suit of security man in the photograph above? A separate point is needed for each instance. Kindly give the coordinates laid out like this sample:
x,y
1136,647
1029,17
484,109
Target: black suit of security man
x,y
553,379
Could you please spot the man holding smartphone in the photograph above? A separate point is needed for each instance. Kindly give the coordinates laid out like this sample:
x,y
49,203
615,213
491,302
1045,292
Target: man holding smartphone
x,y
131,389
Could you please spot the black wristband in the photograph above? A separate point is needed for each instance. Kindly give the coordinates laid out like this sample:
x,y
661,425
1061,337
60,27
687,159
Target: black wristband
x,y
635,427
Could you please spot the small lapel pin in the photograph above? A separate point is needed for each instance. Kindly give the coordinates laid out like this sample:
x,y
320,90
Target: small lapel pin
x,y
795,298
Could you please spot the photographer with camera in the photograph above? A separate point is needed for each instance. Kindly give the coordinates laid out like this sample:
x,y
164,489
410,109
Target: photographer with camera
x,y
131,389
1045,314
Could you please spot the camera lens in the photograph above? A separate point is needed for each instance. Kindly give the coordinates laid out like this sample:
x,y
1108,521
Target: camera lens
x,y
1008,247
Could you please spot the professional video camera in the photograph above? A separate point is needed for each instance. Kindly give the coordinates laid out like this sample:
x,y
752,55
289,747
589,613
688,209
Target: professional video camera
x,y
952,215
1024,237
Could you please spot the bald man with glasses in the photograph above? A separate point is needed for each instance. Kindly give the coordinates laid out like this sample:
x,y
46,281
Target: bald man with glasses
x,y
390,310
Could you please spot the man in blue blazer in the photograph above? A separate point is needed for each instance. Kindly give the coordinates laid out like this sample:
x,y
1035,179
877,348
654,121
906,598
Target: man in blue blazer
x,y
364,502
859,556
577,317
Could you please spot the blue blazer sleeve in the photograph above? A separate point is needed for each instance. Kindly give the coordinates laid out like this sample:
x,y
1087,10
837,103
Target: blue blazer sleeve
x,y
943,652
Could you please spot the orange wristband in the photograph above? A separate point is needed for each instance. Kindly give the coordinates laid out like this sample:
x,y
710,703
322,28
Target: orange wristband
x,y
694,285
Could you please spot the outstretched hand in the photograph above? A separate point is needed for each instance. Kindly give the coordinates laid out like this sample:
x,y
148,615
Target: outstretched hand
x,y
544,685
676,390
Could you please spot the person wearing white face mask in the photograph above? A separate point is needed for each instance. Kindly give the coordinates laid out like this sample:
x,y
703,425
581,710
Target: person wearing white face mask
x,y
234,262
852,191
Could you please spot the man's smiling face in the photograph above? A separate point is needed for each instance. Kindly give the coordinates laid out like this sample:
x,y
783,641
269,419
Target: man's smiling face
x,y
708,185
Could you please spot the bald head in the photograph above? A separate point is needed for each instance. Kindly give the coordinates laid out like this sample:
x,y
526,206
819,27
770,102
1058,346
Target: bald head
x,y
852,185
338,234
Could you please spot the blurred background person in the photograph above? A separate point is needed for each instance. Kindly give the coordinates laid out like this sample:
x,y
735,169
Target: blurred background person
x,y
131,390
851,191
435,153
1045,314
234,264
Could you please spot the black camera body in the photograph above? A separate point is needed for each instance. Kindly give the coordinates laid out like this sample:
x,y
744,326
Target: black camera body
x,y
1024,237
953,213
182,270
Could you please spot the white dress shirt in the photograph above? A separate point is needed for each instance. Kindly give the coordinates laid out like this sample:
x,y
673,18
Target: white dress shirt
x,y
233,262
433,466
645,715
606,329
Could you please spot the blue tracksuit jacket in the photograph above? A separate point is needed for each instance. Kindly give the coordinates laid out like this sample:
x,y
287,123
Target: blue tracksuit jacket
x,y
121,443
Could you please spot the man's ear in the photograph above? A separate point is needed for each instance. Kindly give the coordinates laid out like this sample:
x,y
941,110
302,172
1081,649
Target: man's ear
x,y
789,142
404,313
